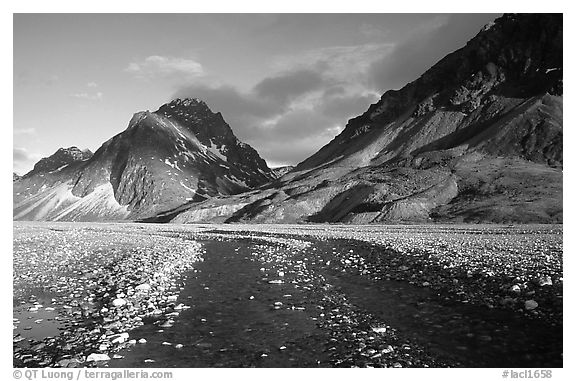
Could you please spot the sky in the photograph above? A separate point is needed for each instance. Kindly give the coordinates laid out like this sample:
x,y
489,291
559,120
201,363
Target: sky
x,y
286,83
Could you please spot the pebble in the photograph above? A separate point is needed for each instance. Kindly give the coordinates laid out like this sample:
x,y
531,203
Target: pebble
x,y
119,302
545,281
120,338
143,287
530,305
98,357
388,349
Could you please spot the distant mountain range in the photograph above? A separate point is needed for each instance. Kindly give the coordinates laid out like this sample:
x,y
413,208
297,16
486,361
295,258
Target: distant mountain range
x,y
477,138
180,154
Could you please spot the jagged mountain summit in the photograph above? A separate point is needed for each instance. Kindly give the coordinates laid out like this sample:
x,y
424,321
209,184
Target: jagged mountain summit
x,y
477,138
61,158
179,154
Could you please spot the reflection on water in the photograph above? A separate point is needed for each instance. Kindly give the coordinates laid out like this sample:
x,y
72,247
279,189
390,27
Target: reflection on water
x,y
33,323
231,321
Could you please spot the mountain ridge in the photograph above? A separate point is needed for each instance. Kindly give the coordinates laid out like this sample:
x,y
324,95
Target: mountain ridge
x,y
476,138
156,164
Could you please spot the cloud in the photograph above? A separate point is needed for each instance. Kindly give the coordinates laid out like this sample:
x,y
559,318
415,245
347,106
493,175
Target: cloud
x,y
153,67
373,31
426,46
51,80
20,154
289,115
98,96
342,64
23,160
25,131
92,84
289,85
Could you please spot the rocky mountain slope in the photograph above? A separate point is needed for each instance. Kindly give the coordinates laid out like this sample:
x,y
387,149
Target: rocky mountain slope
x,y
477,138
180,154
281,171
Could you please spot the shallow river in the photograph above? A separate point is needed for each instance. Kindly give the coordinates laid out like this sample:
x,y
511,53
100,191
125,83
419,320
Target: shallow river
x,y
254,305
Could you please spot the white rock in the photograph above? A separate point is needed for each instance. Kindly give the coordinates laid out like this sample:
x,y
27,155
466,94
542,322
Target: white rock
x,y
119,302
515,289
98,357
142,341
120,338
143,287
545,281
530,305
388,349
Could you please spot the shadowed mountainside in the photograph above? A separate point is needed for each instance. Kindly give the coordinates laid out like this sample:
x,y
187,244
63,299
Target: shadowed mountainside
x,y
477,138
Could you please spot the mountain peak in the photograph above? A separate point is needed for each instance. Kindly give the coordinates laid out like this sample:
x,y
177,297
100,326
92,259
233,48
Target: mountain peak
x,y
194,114
194,103
518,56
60,158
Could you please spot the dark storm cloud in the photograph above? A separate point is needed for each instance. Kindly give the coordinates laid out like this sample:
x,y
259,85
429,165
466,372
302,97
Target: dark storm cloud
x,y
290,115
244,112
297,124
286,117
410,59
229,100
288,86
346,106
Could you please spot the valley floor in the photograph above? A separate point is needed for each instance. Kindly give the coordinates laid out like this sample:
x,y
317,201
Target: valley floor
x,y
138,295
